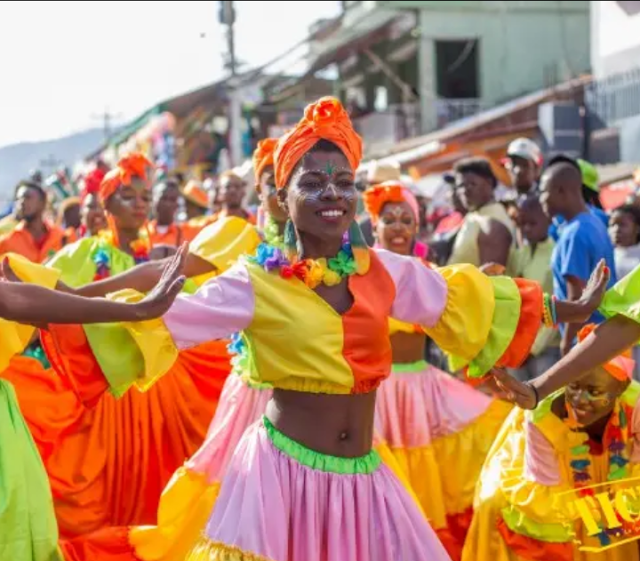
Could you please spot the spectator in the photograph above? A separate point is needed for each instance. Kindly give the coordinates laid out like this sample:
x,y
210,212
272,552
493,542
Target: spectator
x,y
583,240
163,230
524,160
625,234
531,261
33,237
487,232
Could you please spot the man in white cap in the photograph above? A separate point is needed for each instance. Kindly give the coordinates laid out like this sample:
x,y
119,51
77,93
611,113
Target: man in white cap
x,y
524,162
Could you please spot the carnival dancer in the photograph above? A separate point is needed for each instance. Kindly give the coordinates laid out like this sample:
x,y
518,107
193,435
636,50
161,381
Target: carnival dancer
x,y
438,428
96,448
315,321
543,460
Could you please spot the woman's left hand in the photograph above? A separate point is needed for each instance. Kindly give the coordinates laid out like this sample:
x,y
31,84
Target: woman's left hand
x,y
516,392
160,299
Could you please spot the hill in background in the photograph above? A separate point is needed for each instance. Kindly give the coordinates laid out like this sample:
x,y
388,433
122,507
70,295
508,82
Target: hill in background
x,y
17,160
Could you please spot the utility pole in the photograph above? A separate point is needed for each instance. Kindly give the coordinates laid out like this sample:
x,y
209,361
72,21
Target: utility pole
x,y
50,164
107,121
227,17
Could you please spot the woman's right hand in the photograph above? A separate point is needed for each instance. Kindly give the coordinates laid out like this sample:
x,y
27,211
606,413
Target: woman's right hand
x,y
157,302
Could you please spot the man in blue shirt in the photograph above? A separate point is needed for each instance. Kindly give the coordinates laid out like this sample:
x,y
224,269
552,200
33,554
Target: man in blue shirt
x,y
583,240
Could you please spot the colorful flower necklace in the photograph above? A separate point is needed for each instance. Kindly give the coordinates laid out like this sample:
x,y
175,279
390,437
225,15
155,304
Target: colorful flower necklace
x,y
271,233
102,256
617,434
312,272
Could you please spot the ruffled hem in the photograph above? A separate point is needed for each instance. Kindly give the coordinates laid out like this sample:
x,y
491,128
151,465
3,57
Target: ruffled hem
x,y
363,465
532,549
208,550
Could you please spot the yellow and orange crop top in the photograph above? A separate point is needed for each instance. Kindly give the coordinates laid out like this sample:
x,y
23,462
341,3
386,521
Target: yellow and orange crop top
x,y
297,341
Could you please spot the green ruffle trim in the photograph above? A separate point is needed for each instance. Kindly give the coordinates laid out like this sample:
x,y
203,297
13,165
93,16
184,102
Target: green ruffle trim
x,y
506,315
518,523
410,367
623,298
364,465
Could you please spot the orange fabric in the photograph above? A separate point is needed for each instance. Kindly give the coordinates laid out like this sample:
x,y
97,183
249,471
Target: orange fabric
x,y
361,333
21,241
324,120
133,165
377,196
70,236
454,534
263,156
528,325
105,545
174,235
620,367
92,182
534,550
108,465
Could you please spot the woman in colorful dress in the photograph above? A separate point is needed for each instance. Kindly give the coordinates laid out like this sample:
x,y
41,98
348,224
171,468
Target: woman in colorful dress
x,y
438,428
315,321
97,448
583,436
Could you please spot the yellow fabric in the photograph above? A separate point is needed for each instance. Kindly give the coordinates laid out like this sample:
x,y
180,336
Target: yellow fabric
x,y
152,338
465,248
397,326
7,224
206,550
223,242
464,326
185,507
13,336
504,488
535,266
318,365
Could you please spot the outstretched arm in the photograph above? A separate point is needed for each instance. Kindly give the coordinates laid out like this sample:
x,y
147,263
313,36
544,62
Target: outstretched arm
x,y
31,304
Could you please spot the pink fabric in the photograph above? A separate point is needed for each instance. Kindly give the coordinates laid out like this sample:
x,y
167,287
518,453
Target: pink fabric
x,y
240,407
222,306
421,292
271,505
540,460
413,409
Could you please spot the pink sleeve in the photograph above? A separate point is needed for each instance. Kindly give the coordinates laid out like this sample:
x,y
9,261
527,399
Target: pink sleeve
x,y
540,459
222,306
421,292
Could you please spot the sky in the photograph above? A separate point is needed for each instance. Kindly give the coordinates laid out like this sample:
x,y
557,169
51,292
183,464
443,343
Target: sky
x,y
62,64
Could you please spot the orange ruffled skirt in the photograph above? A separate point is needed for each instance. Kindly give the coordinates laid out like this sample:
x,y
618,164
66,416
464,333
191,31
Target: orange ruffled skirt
x,y
108,460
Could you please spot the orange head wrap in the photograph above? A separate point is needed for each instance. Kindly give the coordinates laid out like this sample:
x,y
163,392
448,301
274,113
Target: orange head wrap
x,y
620,367
377,196
324,120
133,165
195,194
263,156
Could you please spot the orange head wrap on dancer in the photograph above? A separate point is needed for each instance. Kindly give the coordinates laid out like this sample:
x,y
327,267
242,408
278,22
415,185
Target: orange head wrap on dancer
x,y
324,120
128,168
263,156
620,367
377,196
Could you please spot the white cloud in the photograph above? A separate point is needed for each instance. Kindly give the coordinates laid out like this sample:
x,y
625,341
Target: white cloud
x,y
63,62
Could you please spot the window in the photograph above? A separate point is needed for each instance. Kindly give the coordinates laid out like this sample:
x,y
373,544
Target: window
x,y
457,69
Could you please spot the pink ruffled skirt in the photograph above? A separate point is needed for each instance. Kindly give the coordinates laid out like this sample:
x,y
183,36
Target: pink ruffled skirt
x,y
280,501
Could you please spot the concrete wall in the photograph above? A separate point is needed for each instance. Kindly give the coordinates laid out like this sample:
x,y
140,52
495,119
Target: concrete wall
x,y
615,32
523,45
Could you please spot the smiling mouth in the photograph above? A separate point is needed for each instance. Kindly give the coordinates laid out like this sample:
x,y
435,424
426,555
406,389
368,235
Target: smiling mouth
x,y
398,240
331,215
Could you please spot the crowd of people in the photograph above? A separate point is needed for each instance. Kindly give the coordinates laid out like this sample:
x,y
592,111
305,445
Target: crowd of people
x,y
331,375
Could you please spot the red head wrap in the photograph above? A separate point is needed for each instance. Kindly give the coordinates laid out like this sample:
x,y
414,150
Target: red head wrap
x,y
92,182
263,156
129,167
324,120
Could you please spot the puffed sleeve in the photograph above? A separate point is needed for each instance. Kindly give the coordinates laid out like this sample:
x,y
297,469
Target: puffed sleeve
x,y
13,336
222,243
114,357
623,298
479,321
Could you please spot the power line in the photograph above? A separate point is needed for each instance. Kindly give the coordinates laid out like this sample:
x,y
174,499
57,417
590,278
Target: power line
x,y
107,119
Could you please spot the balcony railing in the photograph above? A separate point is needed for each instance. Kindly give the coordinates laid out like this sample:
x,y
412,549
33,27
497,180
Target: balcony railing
x,y
614,98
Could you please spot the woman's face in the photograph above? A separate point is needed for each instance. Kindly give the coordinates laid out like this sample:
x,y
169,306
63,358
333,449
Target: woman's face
x,y
623,229
593,397
93,218
321,196
130,205
396,228
269,196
